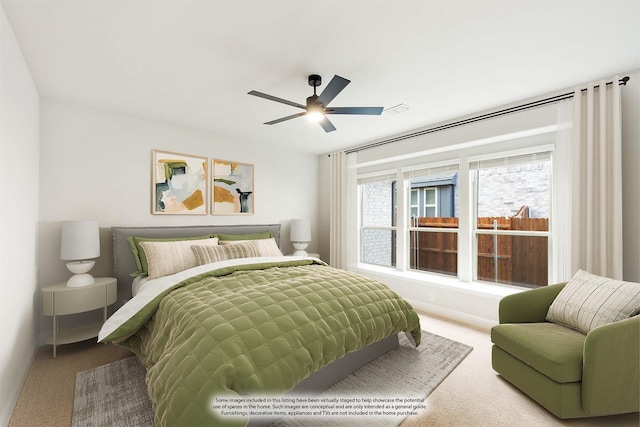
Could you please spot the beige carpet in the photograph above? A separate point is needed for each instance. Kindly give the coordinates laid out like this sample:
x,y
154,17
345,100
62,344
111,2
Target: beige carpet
x,y
47,396
472,395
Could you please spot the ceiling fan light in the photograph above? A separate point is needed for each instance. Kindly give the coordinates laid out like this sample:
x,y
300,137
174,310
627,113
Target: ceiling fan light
x,y
314,115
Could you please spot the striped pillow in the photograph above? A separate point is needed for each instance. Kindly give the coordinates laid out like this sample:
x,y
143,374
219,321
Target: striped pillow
x,y
265,247
166,258
588,301
209,254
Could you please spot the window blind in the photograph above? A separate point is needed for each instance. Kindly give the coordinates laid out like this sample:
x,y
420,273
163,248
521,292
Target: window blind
x,y
431,171
510,160
389,176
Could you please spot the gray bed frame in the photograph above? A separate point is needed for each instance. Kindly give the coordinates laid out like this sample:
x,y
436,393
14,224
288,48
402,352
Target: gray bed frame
x,y
124,265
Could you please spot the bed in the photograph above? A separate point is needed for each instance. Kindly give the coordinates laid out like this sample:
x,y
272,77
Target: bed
x,y
260,323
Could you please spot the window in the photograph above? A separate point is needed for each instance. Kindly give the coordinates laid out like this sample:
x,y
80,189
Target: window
x,y
433,238
512,206
505,219
415,206
378,220
430,203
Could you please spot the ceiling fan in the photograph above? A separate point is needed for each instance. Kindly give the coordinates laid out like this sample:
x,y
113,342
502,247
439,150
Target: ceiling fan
x,y
318,105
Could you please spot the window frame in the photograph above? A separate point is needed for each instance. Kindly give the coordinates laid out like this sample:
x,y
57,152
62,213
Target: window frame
x,y
429,171
411,205
543,153
466,212
370,178
433,205
509,158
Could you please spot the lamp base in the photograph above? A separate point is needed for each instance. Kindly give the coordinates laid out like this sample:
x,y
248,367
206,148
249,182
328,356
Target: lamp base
x,y
79,280
82,277
300,248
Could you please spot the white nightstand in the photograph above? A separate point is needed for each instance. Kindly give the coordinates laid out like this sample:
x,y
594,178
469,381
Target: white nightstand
x,y
310,254
58,300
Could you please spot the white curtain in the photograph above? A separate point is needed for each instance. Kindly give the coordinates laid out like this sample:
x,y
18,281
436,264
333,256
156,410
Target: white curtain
x,y
595,186
561,198
343,223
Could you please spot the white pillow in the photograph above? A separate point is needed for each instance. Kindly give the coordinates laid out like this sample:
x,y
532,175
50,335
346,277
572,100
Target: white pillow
x,y
265,247
588,301
208,254
165,258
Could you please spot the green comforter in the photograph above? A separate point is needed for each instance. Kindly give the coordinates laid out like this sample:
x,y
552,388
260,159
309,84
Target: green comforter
x,y
255,329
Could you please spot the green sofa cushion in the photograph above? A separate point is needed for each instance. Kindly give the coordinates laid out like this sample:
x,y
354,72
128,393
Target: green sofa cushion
x,y
561,399
553,350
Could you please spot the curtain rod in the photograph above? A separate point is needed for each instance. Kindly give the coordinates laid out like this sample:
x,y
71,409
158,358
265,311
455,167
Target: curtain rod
x,y
623,81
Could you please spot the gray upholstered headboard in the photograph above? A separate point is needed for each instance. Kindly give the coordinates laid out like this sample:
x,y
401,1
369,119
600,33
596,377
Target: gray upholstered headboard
x,y
124,263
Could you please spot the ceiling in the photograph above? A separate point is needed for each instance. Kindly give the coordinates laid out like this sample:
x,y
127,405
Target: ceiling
x,y
191,63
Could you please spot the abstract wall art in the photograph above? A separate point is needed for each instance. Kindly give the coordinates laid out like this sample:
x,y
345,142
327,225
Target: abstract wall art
x,y
180,184
233,191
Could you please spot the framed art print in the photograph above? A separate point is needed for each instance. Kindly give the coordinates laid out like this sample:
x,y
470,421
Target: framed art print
x,y
180,184
233,192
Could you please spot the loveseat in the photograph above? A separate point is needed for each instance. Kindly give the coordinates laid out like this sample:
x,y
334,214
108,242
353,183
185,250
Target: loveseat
x,y
570,373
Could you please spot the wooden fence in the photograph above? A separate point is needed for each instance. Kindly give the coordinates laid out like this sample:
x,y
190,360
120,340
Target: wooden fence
x,y
519,260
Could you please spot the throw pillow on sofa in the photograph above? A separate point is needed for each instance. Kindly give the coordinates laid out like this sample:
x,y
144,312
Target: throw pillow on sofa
x,y
589,301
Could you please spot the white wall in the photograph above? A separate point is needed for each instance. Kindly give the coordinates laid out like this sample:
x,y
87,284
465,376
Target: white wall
x,y
479,306
96,164
19,146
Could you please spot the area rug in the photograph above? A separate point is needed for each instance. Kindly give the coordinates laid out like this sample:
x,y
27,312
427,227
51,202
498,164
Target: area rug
x,y
116,394
112,395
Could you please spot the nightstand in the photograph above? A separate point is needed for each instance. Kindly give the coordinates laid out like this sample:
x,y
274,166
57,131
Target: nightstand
x,y
58,300
310,254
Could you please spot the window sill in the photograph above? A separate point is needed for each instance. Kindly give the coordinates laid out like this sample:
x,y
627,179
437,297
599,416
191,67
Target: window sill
x,y
473,287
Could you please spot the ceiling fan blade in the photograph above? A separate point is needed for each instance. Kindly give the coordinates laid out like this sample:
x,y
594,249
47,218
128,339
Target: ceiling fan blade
x,y
334,87
276,99
370,111
326,124
293,116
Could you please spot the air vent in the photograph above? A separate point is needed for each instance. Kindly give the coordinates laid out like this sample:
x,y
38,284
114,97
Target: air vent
x,y
398,109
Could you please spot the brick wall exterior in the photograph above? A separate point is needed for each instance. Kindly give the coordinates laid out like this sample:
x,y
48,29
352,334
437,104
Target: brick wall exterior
x,y
503,191
376,209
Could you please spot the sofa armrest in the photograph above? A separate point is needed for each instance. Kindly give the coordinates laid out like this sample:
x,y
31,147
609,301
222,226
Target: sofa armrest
x,y
528,306
611,368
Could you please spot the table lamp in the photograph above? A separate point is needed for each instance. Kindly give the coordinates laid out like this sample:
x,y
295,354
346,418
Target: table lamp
x,y
80,243
300,236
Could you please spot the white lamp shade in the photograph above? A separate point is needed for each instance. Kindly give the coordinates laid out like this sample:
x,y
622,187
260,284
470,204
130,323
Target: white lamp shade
x,y
300,230
80,240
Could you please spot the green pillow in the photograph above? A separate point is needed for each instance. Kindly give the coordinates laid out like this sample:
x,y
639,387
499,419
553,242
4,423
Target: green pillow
x,y
249,236
140,257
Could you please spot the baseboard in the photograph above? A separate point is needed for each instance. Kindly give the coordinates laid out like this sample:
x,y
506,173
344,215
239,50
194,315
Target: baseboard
x,y
458,316
472,303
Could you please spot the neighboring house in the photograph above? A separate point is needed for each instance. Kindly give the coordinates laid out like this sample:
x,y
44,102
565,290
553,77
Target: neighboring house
x,y
434,196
